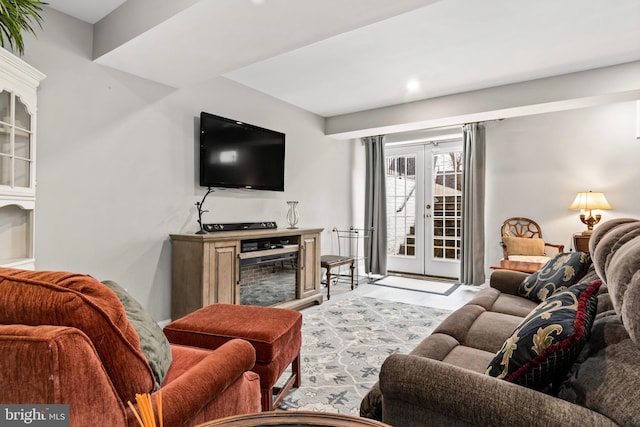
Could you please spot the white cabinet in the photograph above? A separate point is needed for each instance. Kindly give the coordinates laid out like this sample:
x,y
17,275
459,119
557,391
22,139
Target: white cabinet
x,y
18,86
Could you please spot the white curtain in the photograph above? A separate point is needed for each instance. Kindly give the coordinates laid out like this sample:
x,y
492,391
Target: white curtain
x,y
375,211
472,255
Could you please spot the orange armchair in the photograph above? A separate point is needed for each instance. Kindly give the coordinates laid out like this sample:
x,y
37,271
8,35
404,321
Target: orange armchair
x,y
65,339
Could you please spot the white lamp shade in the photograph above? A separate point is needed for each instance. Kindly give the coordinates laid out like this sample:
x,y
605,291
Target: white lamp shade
x,y
590,201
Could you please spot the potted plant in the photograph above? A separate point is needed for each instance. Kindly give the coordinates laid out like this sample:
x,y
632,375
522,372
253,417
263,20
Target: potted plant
x,y
17,16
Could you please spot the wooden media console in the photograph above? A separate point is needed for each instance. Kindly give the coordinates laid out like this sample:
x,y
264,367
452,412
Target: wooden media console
x,y
206,268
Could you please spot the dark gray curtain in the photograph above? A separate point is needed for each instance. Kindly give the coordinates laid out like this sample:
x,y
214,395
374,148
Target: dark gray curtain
x,y
472,254
375,210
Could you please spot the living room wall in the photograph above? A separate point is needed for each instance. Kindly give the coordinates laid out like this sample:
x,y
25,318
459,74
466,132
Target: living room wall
x,y
117,165
537,164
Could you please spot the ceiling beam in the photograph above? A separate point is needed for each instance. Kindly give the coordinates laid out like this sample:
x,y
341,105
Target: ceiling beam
x,y
130,20
606,85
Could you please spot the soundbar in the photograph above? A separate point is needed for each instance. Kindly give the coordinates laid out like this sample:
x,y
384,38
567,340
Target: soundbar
x,y
266,225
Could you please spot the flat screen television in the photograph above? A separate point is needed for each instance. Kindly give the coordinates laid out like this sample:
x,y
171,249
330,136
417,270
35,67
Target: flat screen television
x,y
234,154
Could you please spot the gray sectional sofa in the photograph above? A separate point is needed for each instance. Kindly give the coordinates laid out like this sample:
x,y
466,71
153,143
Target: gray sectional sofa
x,y
444,380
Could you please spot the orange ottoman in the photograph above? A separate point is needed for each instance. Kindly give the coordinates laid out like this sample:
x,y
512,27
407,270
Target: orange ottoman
x,y
275,333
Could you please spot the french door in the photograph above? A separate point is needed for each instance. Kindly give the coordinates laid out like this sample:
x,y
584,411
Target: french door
x,y
424,197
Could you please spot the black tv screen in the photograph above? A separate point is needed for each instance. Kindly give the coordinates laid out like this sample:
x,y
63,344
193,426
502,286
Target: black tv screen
x,y
234,154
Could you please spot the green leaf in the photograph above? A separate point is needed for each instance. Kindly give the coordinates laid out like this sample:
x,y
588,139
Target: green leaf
x,y
17,16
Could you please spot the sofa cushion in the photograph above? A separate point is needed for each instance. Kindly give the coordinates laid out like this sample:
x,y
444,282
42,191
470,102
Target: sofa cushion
x,y
473,326
546,343
607,238
499,302
523,245
153,343
79,301
606,376
562,271
469,358
623,282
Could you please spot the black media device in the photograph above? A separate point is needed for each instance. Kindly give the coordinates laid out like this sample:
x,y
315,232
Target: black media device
x,y
266,225
234,154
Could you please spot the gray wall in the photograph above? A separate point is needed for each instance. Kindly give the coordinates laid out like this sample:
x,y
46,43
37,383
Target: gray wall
x,y
117,165
537,164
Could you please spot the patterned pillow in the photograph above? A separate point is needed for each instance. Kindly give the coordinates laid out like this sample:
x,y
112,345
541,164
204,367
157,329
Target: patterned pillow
x,y
560,272
546,343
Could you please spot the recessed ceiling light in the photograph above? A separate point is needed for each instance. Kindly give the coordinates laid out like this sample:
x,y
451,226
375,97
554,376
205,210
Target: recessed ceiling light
x,y
413,85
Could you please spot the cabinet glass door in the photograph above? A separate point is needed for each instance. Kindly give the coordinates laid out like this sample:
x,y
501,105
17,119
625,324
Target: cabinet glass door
x,y
5,138
16,152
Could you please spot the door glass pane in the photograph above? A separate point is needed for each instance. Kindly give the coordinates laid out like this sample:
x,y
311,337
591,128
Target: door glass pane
x,y
5,170
22,176
5,107
447,200
23,145
401,206
23,119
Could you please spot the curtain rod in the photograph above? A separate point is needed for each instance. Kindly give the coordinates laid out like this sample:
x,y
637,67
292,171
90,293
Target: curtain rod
x,y
423,141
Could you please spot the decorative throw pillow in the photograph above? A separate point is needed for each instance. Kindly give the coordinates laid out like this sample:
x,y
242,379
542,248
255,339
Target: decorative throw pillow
x,y
153,343
560,272
523,245
546,343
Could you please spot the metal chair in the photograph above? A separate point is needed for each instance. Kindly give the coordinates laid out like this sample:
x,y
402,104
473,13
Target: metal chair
x,y
331,261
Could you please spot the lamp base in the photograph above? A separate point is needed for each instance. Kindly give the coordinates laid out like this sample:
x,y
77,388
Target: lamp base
x,y
589,221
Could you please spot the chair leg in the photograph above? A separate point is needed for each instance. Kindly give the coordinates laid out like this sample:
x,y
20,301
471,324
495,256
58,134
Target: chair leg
x,y
271,397
352,267
295,367
328,284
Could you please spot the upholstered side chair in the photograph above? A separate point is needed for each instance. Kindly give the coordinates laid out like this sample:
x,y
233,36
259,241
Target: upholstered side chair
x,y
522,241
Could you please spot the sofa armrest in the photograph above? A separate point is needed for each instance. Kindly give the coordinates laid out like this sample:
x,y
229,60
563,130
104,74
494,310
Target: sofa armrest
x,y
418,391
202,383
507,281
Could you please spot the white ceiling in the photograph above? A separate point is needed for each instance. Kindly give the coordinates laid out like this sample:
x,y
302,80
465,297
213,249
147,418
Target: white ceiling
x,y
333,57
88,11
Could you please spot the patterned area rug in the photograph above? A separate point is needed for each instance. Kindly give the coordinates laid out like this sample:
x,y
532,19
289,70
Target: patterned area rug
x,y
344,344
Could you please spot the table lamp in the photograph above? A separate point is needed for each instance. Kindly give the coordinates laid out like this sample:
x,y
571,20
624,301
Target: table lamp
x,y
589,201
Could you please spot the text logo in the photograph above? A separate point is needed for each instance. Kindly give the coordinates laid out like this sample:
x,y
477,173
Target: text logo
x,y
34,415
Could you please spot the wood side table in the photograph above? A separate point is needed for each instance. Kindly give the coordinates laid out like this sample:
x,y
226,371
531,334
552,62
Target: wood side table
x,y
294,418
581,242
523,266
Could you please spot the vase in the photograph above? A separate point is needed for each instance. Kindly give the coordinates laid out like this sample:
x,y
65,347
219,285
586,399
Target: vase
x,y
292,214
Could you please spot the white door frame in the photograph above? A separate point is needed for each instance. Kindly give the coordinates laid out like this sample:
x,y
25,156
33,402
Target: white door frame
x,y
420,257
